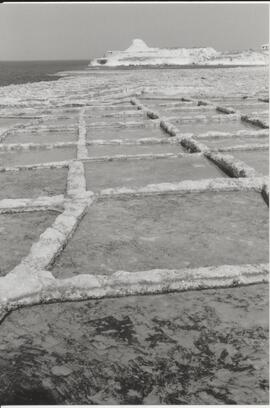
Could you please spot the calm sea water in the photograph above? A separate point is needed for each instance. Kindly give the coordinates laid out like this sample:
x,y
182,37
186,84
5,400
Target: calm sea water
x,y
20,72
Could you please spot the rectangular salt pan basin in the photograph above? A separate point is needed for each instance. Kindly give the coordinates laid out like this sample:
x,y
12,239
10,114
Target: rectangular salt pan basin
x,y
229,126
110,108
17,234
113,150
171,232
64,121
135,173
249,109
232,141
258,159
192,108
112,113
228,101
114,119
33,183
192,114
21,158
125,133
159,102
42,137
9,122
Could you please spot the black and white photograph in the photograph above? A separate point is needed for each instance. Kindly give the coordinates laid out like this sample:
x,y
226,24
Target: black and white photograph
x,y
134,195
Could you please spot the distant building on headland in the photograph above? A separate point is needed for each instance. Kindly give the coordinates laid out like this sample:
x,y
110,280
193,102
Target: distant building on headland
x,y
139,54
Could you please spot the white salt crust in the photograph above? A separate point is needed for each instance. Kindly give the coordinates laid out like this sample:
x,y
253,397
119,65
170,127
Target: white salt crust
x,y
34,146
132,142
255,146
239,133
203,118
192,186
8,206
51,165
26,285
82,152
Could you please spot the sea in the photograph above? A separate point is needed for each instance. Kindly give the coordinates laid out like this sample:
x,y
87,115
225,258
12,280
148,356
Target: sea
x,y
21,72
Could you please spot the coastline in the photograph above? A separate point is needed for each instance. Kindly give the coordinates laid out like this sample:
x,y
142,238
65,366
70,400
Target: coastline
x,y
165,66
23,72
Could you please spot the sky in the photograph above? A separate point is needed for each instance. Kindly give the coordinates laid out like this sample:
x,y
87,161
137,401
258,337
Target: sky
x,y
82,31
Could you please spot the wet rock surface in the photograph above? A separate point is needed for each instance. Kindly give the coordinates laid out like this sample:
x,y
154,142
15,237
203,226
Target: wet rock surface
x,y
198,347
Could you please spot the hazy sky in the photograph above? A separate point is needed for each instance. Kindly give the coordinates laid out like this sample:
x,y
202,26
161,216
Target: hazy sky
x,y
82,31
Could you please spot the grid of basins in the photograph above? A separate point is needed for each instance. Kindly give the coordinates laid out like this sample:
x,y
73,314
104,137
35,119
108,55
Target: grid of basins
x,y
127,149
